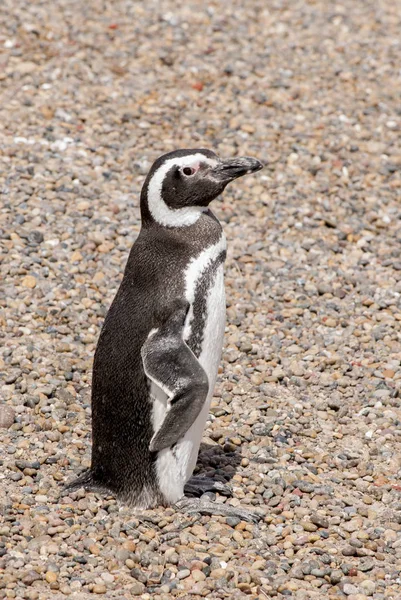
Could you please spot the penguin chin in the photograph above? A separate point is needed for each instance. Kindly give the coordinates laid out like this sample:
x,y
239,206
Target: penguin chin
x,y
205,202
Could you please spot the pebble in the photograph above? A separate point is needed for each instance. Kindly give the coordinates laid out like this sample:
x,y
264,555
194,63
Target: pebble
x,y
7,416
183,574
304,486
198,575
349,589
29,282
51,576
319,520
336,576
352,526
137,588
349,551
368,587
30,577
308,526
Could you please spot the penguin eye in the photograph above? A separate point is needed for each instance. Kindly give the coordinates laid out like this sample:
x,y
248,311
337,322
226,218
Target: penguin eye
x,y
188,171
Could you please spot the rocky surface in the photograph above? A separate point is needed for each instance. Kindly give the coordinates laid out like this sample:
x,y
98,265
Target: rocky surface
x,y
306,421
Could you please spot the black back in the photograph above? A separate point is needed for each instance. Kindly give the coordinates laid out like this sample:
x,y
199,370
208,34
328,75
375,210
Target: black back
x,y
121,407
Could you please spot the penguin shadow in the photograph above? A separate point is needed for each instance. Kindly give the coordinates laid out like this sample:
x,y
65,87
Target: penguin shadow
x,y
215,468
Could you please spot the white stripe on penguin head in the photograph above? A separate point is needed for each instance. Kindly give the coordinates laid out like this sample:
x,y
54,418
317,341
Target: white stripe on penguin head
x,y
174,217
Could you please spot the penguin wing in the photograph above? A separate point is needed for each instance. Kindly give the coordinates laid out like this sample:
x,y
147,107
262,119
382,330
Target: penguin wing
x,y
170,364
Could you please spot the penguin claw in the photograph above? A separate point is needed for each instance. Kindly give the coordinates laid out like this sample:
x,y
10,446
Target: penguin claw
x,y
197,486
205,507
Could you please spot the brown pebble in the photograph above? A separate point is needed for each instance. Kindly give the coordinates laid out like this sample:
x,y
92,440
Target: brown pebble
x,y
29,282
51,577
99,588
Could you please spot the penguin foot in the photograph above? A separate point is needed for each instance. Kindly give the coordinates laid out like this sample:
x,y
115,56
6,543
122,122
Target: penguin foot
x,y
207,507
197,486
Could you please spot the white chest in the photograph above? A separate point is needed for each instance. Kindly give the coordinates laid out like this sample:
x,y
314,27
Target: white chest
x,y
215,320
204,290
175,466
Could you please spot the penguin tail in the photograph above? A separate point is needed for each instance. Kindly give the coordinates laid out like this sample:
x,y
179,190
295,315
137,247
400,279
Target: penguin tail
x,y
84,480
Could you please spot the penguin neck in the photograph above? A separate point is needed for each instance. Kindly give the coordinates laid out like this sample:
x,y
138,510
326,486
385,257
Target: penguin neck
x,y
206,231
158,212
154,211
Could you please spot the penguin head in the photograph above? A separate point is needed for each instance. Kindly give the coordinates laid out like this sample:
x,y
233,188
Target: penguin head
x,y
181,184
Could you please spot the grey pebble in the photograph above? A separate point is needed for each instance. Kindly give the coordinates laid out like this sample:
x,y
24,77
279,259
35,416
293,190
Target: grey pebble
x,y
304,486
7,416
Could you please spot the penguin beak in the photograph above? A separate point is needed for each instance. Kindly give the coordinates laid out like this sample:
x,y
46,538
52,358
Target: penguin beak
x,y
228,170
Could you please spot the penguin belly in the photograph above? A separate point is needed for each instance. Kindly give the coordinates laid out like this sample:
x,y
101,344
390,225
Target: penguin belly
x,y
174,466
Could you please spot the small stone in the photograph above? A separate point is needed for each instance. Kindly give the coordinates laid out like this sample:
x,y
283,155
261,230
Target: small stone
x,y
183,574
245,587
218,573
390,535
259,565
7,416
352,525
129,545
137,588
349,551
308,526
35,237
368,587
29,282
334,404
12,377
336,576
76,256
99,588
65,589
30,577
26,67
198,575
139,575
278,374
319,520
297,369
51,576
304,486
366,565
41,498
122,554
349,589
98,277
297,572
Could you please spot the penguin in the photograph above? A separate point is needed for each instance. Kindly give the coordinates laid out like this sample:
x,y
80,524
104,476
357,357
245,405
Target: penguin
x,y
159,349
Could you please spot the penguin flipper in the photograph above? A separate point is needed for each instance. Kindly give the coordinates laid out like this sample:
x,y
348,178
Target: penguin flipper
x,y
171,364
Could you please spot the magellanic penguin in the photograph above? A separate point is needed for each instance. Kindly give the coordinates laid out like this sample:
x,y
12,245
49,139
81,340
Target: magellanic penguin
x,y
158,353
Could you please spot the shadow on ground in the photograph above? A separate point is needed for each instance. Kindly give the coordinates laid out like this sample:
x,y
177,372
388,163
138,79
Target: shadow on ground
x,y
217,463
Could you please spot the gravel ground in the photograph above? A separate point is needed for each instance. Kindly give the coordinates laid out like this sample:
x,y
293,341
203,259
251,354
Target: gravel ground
x,y
305,424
